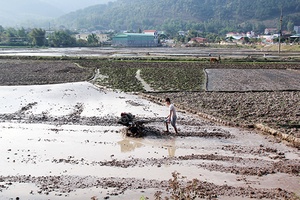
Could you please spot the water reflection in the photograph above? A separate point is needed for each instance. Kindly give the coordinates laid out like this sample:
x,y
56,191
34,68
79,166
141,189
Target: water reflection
x,y
172,148
129,144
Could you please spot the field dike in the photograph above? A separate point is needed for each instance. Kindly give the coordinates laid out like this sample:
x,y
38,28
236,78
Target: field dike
x,y
261,127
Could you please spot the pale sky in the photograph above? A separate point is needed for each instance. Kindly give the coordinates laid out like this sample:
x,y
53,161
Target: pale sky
x,y
72,5
14,12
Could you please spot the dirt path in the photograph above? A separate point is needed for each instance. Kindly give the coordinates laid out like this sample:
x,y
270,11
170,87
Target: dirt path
x,y
146,86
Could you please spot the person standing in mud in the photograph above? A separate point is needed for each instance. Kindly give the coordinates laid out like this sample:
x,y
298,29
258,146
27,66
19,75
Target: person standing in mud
x,y
172,117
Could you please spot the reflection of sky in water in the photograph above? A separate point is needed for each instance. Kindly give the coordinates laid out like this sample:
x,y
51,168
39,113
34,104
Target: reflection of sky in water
x,y
161,146
128,52
60,99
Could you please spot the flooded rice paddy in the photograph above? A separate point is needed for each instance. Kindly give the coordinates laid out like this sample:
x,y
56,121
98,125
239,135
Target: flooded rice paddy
x,y
63,142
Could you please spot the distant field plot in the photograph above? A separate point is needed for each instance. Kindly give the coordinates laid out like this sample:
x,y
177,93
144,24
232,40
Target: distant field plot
x,y
252,79
35,72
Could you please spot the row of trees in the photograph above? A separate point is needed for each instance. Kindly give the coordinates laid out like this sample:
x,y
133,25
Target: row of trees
x,y
66,38
40,37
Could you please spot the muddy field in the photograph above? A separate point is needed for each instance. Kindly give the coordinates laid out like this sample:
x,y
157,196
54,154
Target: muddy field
x,y
279,110
252,93
252,80
63,142
30,72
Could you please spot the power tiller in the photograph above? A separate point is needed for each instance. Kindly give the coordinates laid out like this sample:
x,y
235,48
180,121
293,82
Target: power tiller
x,y
135,128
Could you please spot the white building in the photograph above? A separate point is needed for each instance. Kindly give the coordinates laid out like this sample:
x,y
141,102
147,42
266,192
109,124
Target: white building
x,y
84,36
297,29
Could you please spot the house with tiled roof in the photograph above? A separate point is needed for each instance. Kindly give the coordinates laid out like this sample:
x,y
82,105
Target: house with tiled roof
x,y
271,31
198,40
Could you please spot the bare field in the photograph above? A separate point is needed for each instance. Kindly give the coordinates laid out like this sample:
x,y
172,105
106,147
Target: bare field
x,y
252,80
279,110
62,141
30,72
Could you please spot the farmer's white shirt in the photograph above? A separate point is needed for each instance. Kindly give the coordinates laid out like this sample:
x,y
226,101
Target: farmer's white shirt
x,y
172,108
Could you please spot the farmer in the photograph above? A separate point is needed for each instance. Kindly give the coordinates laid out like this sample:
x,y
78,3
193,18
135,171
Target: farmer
x,y
171,117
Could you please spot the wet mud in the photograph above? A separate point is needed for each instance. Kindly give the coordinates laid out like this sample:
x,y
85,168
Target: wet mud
x,y
76,155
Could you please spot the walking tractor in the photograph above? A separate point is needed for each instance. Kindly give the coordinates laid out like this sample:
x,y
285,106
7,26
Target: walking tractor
x,y
135,127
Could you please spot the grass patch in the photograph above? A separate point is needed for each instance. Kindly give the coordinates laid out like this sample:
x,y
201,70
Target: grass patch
x,y
184,76
162,76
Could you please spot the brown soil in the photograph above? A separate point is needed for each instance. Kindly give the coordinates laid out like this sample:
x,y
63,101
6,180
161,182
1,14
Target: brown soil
x,y
30,72
252,80
279,110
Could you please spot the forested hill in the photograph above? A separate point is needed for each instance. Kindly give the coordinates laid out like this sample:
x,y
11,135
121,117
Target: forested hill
x,y
173,15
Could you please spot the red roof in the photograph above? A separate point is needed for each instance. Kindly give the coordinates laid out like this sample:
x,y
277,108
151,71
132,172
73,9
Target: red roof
x,y
149,30
199,39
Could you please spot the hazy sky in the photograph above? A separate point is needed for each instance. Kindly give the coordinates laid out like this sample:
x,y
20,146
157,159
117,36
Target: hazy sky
x,y
72,5
14,12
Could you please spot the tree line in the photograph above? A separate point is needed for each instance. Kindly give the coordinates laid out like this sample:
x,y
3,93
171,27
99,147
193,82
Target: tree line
x,y
40,37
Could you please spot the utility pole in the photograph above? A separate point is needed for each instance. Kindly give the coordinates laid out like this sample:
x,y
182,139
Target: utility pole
x,y
280,31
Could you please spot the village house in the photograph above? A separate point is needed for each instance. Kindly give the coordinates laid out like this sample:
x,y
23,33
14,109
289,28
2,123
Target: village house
x,y
182,33
151,32
101,37
233,38
196,41
269,39
295,38
270,31
297,29
235,35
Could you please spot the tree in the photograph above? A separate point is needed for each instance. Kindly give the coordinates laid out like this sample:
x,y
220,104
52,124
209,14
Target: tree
x,y
180,38
81,42
38,37
93,39
1,29
290,26
62,38
9,35
260,28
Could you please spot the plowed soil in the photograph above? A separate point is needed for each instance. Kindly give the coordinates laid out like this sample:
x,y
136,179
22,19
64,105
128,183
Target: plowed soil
x,y
252,80
31,72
